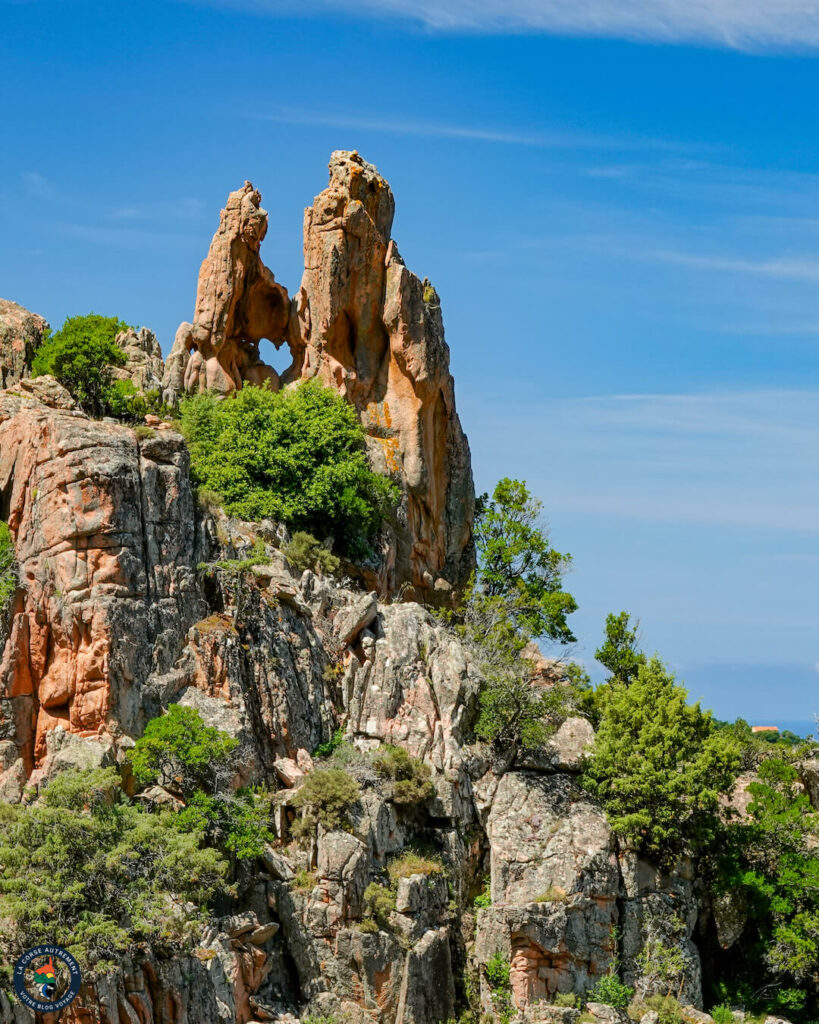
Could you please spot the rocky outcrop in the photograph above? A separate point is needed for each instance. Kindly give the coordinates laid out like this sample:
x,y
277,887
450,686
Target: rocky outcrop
x,y
144,365
104,532
21,334
130,598
238,302
366,326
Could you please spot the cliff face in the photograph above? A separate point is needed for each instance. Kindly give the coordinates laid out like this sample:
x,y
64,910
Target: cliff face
x,y
132,598
364,325
113,621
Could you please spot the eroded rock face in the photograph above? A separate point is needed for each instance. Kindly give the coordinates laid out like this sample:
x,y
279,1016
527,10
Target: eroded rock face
x,y
104,534
131,599
367,326
21,334
238,302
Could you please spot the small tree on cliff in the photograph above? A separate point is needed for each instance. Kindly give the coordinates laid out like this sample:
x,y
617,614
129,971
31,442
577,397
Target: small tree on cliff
x,y
518,569
516,596
82,355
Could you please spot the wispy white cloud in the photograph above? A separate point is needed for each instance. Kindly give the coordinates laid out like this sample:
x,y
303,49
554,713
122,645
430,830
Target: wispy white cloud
x,y
739,460
795,269
185,208
470,133
740,24
125,237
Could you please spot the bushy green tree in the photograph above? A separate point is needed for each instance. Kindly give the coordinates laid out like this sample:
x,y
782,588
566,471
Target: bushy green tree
x,y
99,876
768,861
177,749
81,355
518,566
515,597
297,455
658,764
198,761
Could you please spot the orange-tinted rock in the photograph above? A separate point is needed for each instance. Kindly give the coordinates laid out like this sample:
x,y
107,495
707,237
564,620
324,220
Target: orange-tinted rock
x,y
367,326
238,302
103,529
21,334
364,325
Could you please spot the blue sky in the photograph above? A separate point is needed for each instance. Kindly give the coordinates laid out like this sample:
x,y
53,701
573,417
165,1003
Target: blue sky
x,y
618,201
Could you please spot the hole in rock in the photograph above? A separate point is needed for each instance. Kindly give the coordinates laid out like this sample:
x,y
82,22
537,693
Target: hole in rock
x,y
280,359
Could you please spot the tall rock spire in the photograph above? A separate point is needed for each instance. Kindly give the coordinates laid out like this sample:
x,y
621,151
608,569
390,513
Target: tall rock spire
x,y
365,325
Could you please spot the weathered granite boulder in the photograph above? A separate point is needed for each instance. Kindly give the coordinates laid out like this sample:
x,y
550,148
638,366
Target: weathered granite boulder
x,y
365,325
21,334
144,366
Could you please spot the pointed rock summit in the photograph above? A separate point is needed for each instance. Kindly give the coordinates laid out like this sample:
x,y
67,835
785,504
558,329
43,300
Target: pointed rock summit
x,y
363,324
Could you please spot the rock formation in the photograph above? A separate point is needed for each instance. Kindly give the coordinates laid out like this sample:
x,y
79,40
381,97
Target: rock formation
x,y
362,324
144,364
21,334
238,302
113,620
130,598
367,326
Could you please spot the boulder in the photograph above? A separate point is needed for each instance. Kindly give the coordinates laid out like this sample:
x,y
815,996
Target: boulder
x,y
144,366
21,334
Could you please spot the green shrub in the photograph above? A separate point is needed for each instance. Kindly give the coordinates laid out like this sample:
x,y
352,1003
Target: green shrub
x,y
497,973
208,500
484,897
179,750
325,798
328,749
411,778
379,903
125,401
237,822
566,999
611,991
298,456
305,552
143,433
81,355
666,1007
8,567
768,862
303,881
722,1014
413,863
98,876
